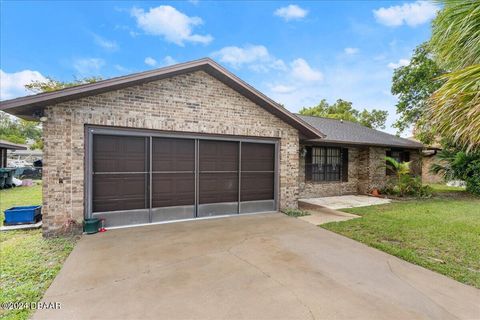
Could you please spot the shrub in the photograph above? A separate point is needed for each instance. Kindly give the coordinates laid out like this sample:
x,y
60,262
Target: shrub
x,y
472,177
295,212
454,164
404,184
407,185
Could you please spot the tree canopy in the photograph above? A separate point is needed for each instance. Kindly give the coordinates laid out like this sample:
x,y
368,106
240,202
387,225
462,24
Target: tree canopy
x,y
52,84
413,85
343,110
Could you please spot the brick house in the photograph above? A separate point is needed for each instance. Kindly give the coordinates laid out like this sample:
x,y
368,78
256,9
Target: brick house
x,y
190,141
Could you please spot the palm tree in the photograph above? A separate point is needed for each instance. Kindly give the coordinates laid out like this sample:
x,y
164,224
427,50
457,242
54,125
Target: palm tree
x,y
455,43
400,168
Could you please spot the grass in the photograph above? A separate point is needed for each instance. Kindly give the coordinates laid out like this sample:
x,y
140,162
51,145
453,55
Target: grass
x,y
441,234
28,262
441,188
295,212
19,196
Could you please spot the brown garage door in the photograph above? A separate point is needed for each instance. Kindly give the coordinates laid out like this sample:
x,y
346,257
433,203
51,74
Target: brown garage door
x,y
173,179
257,177
218,178
120,179
143,179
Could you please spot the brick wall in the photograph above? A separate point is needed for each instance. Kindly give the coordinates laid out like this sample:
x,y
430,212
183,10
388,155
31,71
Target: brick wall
x,y
309,189
366,170
427,176
194,102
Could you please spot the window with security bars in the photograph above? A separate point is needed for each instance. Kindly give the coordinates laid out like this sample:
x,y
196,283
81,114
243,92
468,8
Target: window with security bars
x,y
326,164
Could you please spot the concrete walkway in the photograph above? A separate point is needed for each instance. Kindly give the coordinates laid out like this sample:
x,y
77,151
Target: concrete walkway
x,y
320,215
342,202
266,266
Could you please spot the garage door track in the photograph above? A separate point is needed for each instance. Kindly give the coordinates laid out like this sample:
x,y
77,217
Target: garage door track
x,y
264,266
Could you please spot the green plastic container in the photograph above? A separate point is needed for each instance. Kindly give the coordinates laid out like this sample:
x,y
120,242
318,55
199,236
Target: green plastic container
x,y
91,226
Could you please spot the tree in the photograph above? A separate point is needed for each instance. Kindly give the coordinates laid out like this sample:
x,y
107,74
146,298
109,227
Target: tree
x,y
343,110
454,164
52,84
455,43
413,84
18,131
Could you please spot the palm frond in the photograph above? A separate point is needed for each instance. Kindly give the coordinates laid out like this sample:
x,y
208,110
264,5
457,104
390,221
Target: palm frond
x,y
455,37
455,107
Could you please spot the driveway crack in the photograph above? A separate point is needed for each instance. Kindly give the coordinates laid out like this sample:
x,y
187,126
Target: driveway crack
x,y
418,290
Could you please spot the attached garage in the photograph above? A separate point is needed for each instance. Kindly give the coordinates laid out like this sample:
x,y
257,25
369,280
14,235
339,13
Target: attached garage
x,y
187,141
136,177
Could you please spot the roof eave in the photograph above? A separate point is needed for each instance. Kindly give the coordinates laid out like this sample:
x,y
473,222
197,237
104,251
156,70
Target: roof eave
x,y
355,143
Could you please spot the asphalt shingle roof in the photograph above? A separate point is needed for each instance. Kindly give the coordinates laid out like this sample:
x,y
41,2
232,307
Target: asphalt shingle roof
x,y
346,132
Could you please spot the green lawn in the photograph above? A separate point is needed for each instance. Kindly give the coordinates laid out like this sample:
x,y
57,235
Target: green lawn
x,y
441,234
442,188
28,263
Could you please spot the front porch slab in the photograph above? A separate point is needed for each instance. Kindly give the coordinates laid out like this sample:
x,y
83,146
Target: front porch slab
x,y
343,202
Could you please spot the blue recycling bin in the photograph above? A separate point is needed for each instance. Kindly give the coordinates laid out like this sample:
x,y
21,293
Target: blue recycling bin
x,y
23,215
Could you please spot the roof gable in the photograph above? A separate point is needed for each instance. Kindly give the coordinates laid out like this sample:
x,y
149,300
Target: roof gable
x,y
30,107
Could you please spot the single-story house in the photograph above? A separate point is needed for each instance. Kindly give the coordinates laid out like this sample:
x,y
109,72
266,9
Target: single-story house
x,y
4,147
188,141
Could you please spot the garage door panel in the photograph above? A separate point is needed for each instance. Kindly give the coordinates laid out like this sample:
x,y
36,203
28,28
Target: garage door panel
x,y
257,186
173,154
119,154
218,187
258,157
173,189
115,192
218,155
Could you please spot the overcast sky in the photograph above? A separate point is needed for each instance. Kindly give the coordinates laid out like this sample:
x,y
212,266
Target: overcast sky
x,y
295,52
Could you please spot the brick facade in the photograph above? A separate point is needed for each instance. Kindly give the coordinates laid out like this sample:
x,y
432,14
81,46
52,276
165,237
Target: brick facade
x,y
194,102
308,189
366,170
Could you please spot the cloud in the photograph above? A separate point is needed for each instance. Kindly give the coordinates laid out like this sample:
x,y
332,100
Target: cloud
x,y
281,88
121,68
291,12
150,61
167,61
88,66
301,70
13,84
171,24
400,63
351,51
411,14
256,57
104,43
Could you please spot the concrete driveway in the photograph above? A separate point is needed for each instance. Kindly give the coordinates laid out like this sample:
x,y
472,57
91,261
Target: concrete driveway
x,y
266,266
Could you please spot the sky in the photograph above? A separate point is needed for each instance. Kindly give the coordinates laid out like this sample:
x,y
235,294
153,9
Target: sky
x,y
295,52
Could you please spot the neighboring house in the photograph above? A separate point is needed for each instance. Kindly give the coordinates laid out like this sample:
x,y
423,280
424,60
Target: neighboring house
x,y
188,141
7,145
429,158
